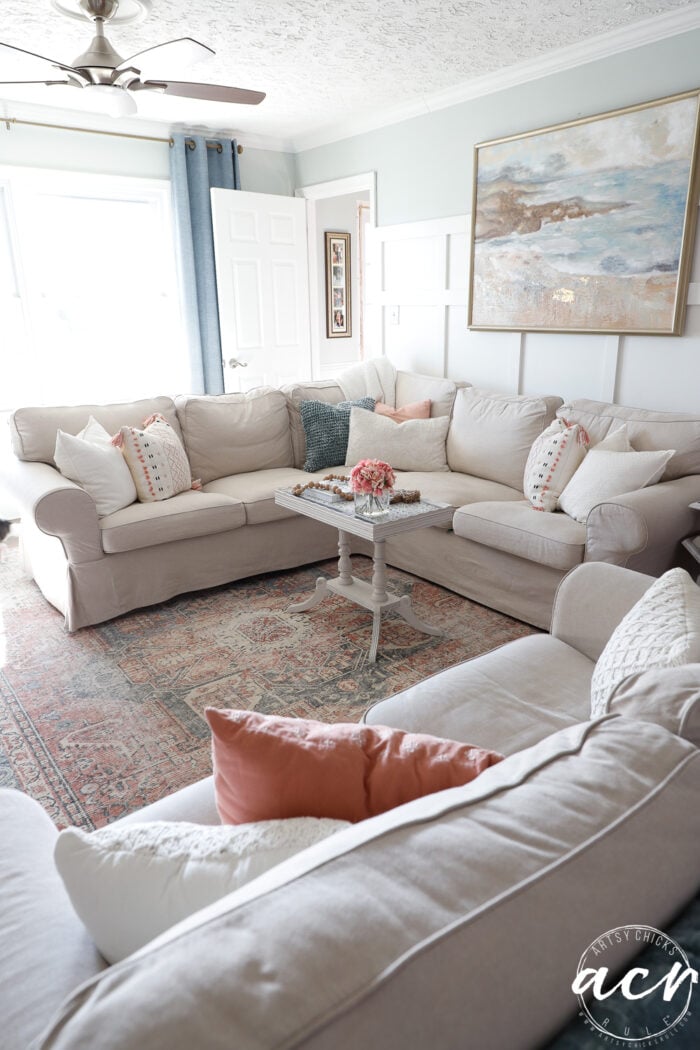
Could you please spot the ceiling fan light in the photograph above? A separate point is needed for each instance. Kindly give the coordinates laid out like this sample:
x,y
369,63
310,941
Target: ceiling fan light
x,y
110,99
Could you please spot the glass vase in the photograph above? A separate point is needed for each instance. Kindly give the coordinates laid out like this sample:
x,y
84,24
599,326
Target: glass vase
x,y
368,505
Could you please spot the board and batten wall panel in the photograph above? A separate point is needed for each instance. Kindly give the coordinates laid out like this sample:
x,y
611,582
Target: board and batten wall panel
x,y
419,299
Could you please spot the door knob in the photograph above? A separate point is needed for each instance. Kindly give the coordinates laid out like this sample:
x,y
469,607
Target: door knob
x,y
233,362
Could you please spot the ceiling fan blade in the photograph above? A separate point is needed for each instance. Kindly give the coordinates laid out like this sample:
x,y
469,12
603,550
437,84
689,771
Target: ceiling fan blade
x,y
25,64
46,83
209,92
168,57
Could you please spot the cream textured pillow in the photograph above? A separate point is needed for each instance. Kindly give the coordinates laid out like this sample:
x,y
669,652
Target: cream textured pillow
x,y
130,882
90,459
661,630
156,459
607,472
554,458
416,444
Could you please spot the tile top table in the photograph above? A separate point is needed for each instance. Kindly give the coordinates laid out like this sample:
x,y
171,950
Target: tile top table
x,y
401,517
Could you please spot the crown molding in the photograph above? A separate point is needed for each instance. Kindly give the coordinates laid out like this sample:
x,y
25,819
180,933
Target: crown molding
x,y
646,31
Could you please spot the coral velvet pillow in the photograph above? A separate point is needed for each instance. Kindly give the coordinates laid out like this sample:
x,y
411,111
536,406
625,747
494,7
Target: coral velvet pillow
x,y
416,410
267,767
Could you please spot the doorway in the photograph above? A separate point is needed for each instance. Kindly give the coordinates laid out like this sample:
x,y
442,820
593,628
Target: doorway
x,y
342,206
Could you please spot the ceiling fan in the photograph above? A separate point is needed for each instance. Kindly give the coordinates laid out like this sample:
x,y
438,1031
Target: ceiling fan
x,y
110,79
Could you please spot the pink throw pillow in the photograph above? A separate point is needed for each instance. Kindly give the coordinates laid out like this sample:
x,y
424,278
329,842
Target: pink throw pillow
x,y
268,767
418,410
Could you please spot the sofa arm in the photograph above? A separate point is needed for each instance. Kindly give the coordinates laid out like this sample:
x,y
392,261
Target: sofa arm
x,y
590,602
642,529
59,508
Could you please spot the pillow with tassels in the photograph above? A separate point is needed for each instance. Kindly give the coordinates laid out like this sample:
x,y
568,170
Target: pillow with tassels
x,y
157,460
553,460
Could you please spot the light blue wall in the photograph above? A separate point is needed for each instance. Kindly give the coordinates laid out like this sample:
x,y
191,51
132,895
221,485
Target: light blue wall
x,y
424,165
266,171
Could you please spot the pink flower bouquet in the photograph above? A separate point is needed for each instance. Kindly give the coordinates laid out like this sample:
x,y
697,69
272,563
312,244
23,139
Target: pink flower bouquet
x,y
372,477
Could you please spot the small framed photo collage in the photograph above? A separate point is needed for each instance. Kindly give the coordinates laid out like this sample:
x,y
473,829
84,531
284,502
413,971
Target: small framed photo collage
x,y
338,307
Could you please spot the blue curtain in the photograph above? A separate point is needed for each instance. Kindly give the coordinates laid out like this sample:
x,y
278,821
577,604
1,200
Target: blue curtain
x,y
194,170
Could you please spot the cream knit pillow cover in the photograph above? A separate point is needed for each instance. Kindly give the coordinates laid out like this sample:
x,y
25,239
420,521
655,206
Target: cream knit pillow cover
x,y
661,630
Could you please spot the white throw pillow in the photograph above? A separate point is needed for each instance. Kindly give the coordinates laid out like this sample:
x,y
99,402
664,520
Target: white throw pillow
x,y
90,459
416,444
552,462
661,630
129,883
610,469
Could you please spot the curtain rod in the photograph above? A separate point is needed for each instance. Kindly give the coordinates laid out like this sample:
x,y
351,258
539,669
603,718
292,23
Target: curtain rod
x,y
7,121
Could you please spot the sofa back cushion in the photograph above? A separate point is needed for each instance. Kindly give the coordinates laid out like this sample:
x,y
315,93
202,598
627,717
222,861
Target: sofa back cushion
x,y
411,387
648,431
669,696
235,433
34,430
442,900
491,434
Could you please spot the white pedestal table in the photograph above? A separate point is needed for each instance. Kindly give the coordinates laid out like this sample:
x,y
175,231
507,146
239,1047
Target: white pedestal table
x,y
401,517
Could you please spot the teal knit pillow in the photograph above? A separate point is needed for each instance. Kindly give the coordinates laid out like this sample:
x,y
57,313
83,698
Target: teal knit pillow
x,y
327,428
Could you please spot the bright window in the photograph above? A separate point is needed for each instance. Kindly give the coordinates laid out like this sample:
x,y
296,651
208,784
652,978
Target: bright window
x,y
88,290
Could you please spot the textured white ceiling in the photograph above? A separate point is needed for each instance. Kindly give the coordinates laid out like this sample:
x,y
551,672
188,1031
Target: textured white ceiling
x,y
326,62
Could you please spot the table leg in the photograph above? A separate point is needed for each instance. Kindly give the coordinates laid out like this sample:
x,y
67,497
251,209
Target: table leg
x,y
310,603
405,609
344,561
376,622
379,594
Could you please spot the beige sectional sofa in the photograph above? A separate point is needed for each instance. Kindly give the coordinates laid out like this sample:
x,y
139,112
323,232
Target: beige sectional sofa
x,y
499,551
454,920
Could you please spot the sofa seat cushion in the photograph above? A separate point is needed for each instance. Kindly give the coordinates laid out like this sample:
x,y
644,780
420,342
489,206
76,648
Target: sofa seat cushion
x,y
453,488
236,433
256,491
517,528
183,517
496,698
353,942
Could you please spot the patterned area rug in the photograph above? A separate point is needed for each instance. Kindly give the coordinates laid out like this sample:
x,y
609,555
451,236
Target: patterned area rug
x,y
101,722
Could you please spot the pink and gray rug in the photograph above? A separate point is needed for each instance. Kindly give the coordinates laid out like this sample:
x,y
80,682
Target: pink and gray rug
x,y
101,722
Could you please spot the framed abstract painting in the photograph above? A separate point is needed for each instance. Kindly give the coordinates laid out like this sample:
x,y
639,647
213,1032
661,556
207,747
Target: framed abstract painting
x,y
587,226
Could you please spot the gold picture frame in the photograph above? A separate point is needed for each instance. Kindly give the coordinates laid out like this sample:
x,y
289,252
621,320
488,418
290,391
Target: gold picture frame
x,y
587,226
338,292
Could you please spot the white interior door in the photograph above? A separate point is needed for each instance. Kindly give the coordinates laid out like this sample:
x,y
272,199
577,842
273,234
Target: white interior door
x,y
263,287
